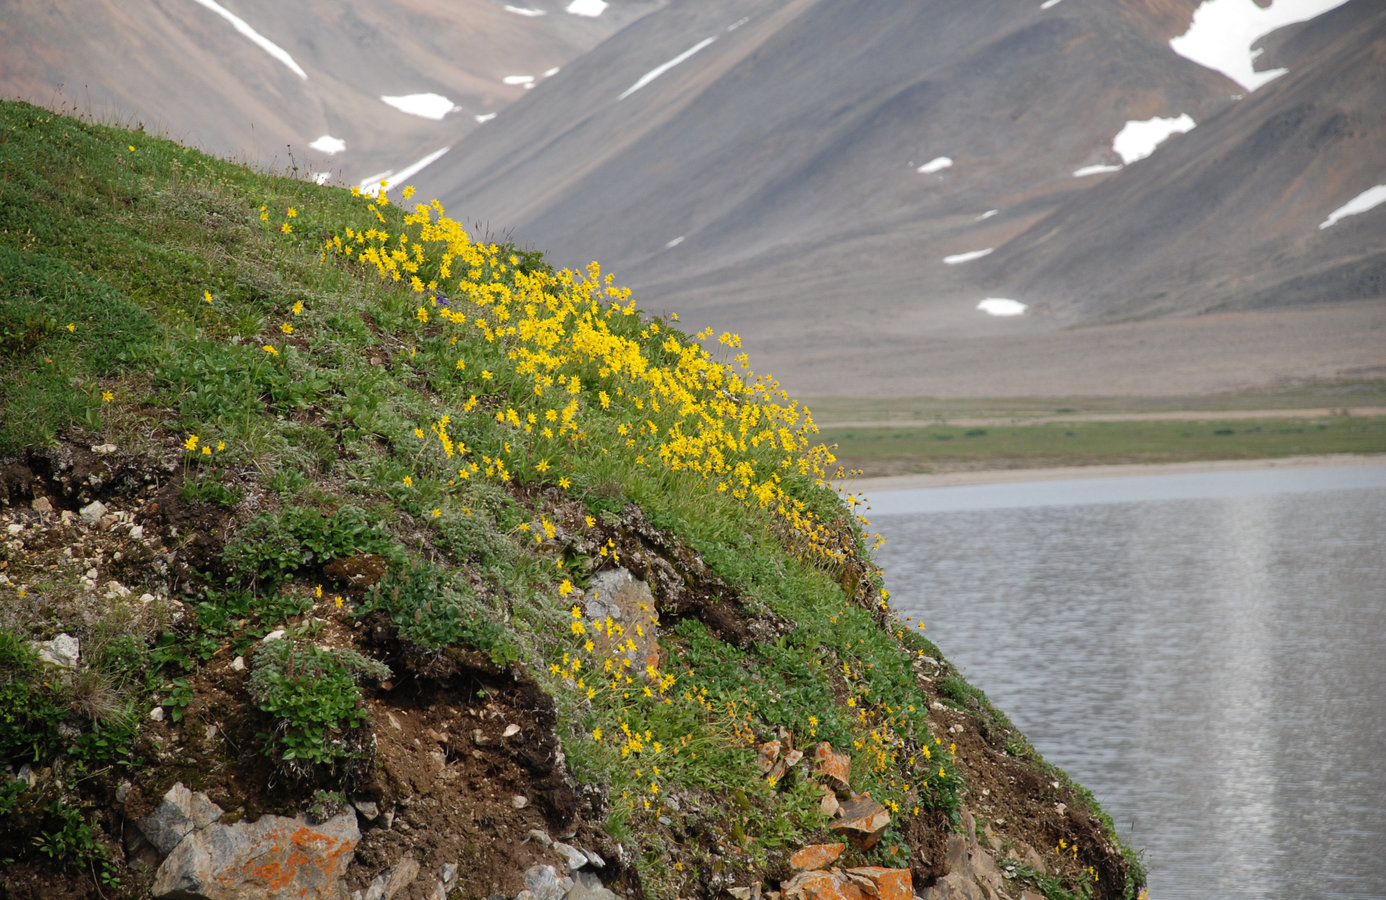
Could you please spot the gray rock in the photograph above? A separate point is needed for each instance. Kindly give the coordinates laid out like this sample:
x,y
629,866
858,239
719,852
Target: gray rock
x,y
92,512
543,883
368,808
575,858
540,837
388,884
41,505
595,859
63,651
447,874
274,858
587,886
180,813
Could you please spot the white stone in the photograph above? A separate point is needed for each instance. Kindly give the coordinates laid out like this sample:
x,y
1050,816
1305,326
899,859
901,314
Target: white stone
x,y
156,714
63,651
93,511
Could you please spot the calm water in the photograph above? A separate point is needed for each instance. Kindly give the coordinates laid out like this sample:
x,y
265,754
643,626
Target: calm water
x,y
1206,653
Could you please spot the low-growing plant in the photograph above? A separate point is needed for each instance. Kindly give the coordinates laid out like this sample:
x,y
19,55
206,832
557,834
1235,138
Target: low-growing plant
x,y
432,608
274,546
313,699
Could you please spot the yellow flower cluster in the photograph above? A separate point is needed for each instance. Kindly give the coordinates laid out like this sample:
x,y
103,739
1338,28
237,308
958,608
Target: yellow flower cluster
x,y
583,357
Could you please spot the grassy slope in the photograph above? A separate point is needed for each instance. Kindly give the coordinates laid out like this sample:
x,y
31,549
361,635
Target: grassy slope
x,y
186,310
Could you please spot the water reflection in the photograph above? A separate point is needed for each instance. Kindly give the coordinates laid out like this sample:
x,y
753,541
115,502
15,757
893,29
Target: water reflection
x,y
1212,667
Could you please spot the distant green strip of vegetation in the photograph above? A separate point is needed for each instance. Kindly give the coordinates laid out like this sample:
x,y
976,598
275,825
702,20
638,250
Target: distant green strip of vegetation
x,y
886,450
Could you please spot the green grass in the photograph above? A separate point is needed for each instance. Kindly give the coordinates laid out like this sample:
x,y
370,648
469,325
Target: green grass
x,y
1077,443
185,309
940,410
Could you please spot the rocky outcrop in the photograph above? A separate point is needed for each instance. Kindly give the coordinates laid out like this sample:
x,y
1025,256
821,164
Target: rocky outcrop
x,y
272,858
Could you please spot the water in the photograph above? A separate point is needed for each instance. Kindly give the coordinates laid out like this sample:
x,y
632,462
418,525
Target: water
x,y
1206,653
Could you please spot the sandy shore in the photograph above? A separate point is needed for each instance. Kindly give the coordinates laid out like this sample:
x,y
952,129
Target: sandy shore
x,y
1014,476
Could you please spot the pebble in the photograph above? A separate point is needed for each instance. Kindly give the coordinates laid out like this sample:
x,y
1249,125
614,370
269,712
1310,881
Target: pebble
x,y
519,801
41,505
156,714
576,858
93,511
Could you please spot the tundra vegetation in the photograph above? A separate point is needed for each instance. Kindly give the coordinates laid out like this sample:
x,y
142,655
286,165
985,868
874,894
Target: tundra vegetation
x,y
363,469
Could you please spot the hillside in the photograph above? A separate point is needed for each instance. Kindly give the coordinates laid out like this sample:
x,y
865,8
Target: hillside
x,y
917,160
342,90
362,549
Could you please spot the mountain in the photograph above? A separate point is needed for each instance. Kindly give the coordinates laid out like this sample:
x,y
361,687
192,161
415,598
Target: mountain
x,y
771,183
261,81
843,185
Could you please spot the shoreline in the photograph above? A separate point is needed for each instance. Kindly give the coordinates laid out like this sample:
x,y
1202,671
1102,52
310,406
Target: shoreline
x,y
1117,470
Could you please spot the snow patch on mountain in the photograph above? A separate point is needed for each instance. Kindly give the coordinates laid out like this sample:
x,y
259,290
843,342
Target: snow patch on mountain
x,y
429,106
937,164
660,70
587,7
328,144
524,11
1368,199
518,79
1223,32
988,214
371,186
1000,306
1095,170
255,37
1049,3
1139,138
967,257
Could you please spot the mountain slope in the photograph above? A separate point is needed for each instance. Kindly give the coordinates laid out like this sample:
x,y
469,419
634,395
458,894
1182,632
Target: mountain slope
x,y
771,183
261,81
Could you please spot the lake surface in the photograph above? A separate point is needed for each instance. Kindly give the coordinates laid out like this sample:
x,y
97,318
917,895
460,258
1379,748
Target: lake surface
x,y
1206,653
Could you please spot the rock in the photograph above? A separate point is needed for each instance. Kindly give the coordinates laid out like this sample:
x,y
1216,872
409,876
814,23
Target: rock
x,y
575,858
834,768
63,651
883,883
595,859
818,884
618,595
93,512
766,756
447,874
156,714
41,505
587,886
178,814
540,837
104,449
863,821
953,886
829,804
815,856
510,731
519,801
274,858
238,664
544,883
388,884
